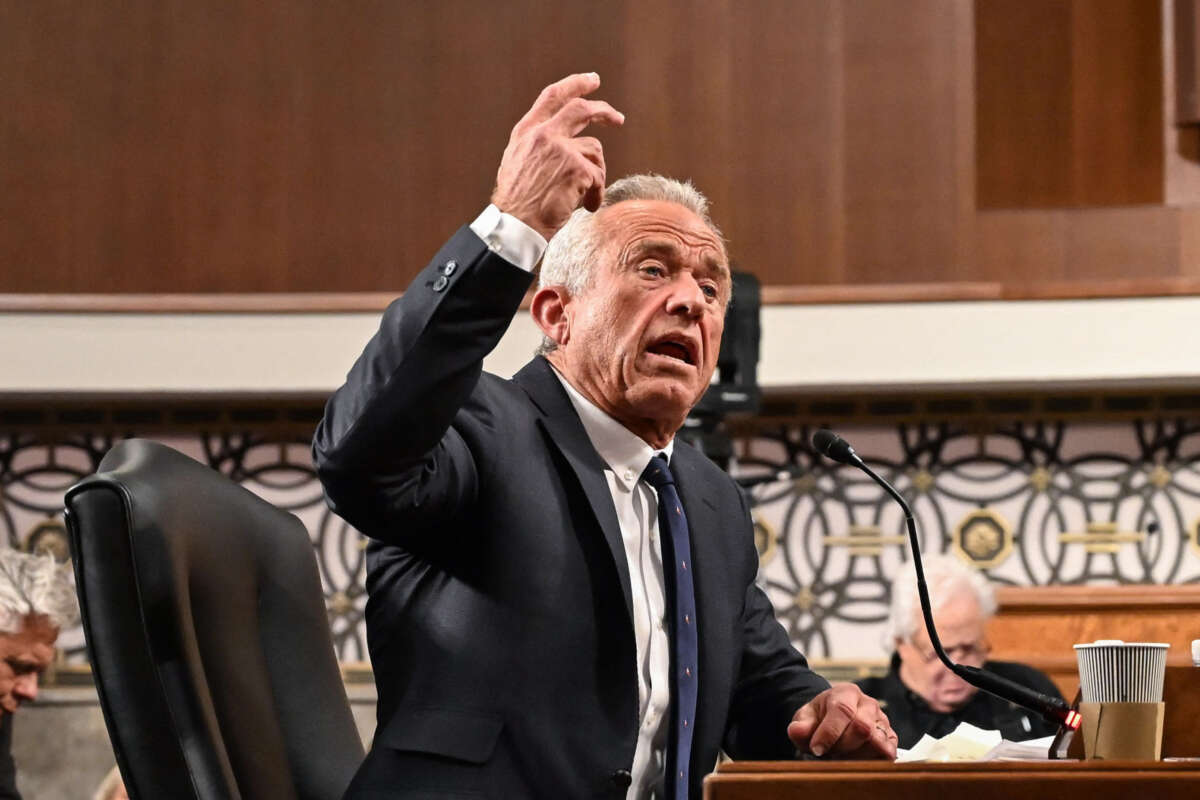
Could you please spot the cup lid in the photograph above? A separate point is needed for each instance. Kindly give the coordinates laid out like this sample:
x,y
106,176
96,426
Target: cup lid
x,y
1120,643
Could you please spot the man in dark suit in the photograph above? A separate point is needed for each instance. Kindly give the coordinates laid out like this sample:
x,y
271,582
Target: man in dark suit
x,y
531,596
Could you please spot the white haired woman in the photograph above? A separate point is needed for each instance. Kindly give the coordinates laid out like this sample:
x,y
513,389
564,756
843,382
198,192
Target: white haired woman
x,y
918,694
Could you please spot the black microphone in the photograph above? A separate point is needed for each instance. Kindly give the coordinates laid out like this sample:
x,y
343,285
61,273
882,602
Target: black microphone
x,y
1055,710
830,445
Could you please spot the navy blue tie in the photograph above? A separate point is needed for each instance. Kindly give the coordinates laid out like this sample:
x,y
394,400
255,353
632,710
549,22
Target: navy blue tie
x,y
685,649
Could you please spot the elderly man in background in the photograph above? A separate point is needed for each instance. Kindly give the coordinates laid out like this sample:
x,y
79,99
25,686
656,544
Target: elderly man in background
x,y
37,599
562,596
919,695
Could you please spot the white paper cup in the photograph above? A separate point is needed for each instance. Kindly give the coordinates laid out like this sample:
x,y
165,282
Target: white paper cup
x,y
1112,671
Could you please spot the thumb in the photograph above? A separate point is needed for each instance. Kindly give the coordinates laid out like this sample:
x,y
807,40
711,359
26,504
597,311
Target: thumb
x,y
593,197
802,725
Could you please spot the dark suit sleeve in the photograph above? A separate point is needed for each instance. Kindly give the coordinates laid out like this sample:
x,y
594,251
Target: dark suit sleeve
x,y
773,682
386,446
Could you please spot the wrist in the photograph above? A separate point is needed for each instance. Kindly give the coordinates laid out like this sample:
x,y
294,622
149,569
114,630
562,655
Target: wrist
x,y
529,214
509,237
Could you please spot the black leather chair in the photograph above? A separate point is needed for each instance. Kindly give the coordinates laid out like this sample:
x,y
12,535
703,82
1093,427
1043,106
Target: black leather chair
x,y
208,634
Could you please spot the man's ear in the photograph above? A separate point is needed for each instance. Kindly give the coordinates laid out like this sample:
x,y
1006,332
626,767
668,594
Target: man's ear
x,y
549,309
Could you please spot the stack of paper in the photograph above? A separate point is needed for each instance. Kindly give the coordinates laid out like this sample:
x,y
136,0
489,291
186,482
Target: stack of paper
x,y
968,743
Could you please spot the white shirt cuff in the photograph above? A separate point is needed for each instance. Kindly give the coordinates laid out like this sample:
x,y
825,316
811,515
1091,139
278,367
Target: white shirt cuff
x,y
508,237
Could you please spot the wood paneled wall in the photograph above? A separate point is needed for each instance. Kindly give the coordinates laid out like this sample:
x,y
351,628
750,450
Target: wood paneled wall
x,y
1038,625
197,146
1069,102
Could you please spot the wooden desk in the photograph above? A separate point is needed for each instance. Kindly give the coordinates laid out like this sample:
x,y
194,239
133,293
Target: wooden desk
x,y
849,780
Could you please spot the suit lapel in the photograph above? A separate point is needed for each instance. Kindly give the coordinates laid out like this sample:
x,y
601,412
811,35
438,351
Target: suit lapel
x,y
564,429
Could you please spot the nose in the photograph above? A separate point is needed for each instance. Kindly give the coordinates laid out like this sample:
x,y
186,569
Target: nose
x,y
686,296
26,687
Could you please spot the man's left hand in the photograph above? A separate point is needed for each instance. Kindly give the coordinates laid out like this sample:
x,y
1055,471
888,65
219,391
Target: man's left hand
x,y
842,721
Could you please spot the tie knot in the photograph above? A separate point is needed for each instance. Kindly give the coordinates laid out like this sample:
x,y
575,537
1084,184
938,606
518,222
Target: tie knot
x,y
657,473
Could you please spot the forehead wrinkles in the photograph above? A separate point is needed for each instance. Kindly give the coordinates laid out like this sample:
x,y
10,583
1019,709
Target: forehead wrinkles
x,y
650,238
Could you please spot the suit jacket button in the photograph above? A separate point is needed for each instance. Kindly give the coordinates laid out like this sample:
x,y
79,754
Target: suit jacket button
x,y
440,283
449,267
621,779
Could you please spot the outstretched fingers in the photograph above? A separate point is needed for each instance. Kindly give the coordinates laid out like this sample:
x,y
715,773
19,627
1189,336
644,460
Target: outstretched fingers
x,y
555,96
578,113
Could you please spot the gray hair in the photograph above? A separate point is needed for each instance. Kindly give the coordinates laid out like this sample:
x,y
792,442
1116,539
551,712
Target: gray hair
x,y
571,254
947,578
34,585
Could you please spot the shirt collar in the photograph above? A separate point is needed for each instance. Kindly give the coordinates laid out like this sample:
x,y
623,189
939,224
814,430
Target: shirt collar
x,y
625,453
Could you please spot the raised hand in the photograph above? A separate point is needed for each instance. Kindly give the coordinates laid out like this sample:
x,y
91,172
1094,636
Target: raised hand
x,y
842,721
548,169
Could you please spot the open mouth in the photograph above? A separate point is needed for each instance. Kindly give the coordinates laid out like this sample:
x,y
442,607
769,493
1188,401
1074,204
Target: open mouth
x,y
674,348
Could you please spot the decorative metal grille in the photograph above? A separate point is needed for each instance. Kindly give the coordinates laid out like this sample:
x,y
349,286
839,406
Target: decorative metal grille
x,y
1029,502
35,471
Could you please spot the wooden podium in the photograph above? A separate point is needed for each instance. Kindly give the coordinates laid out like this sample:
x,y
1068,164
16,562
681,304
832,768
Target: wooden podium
x,y
1036,625
993,780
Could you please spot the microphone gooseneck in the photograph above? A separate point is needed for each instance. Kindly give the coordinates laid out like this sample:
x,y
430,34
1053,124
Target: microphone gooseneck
x,y
829,444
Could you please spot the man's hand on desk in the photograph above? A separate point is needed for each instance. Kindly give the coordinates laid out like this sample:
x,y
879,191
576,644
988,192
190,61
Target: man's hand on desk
x,y
843,722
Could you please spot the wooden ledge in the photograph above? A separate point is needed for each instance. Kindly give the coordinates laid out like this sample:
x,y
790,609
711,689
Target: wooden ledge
x,y
373,302
316,302
1066,599
966,291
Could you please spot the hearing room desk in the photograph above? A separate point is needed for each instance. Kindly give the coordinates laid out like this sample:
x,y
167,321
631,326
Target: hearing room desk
x,y
849,780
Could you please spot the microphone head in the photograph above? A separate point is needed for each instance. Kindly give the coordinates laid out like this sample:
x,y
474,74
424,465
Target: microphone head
x,y
830,445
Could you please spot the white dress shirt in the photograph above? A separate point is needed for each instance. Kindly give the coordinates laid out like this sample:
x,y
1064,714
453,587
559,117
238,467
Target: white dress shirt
x,y
625,456
508,237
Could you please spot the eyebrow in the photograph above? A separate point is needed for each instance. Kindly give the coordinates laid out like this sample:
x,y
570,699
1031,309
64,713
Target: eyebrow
x,y
662,247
